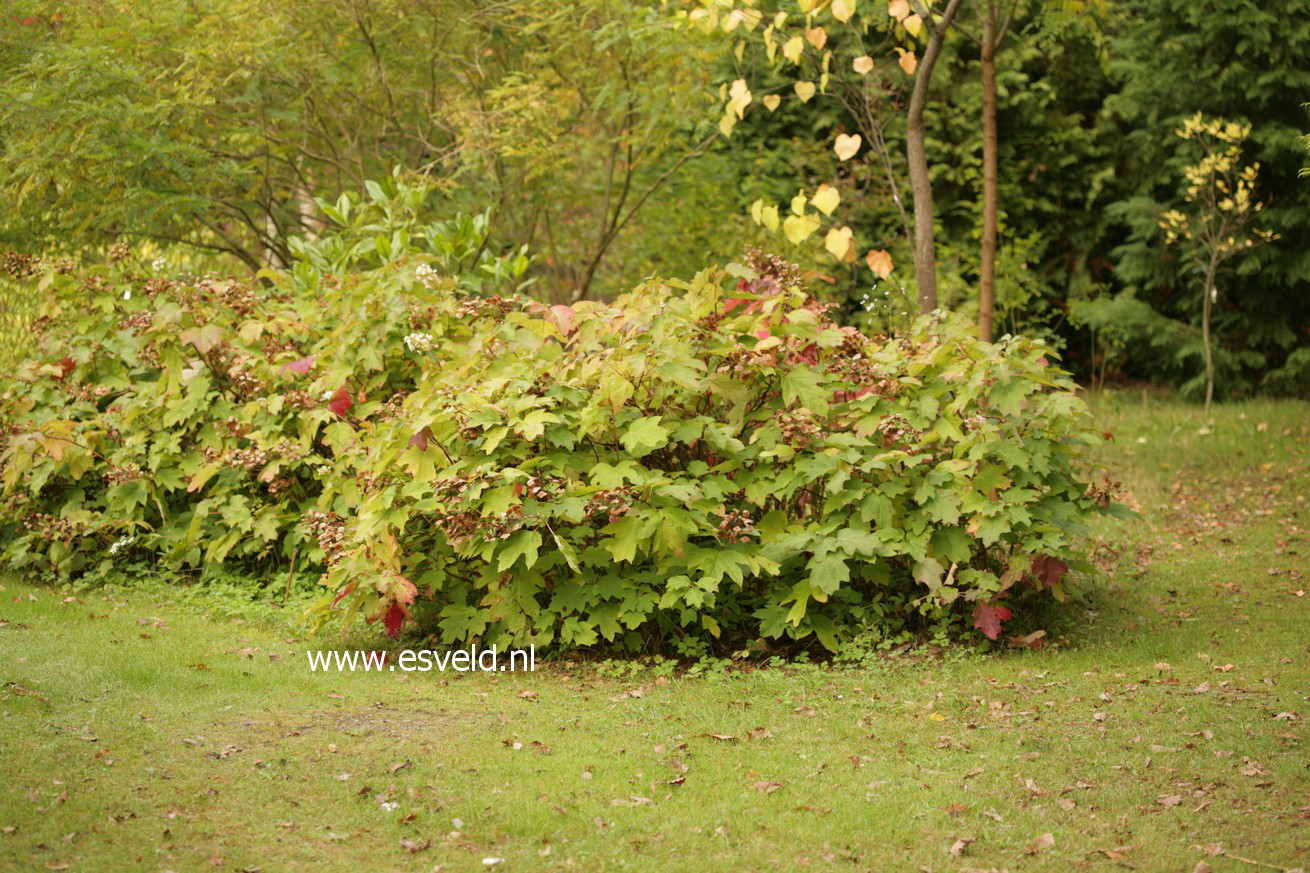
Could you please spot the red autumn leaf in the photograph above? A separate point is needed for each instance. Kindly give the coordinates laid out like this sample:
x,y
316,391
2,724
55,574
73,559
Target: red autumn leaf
x,y
341,402
987,618
395,618
847,396
67,365
349,588
1048,571
563,317
302,366
398,611
420,439
752,306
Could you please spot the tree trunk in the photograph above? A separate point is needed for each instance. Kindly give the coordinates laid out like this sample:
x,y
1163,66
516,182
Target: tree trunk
x,y
1205,333
925,251
991,187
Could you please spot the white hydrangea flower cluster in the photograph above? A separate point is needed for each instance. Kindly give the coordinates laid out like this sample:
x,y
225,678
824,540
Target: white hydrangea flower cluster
x,y
121,544
419,342
428,276
159,265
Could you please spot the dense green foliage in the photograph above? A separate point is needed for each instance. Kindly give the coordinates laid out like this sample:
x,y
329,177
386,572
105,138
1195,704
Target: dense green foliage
x,y
586,131
715,462
176,415
712,460
561,120
1090,96
414,391
1237,61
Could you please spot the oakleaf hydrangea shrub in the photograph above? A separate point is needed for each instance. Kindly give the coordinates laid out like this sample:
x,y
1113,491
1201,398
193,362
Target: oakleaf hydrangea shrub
x,y
194,420
190,420
712,465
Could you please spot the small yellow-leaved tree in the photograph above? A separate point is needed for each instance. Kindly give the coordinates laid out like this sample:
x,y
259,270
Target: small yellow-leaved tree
x,y
1216,219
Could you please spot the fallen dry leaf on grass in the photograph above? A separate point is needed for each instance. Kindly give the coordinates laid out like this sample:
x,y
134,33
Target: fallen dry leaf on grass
x,y
766,787
958,847
1041,844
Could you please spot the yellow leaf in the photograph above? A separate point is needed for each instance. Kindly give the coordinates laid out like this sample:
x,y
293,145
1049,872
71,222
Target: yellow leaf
x,y
771,102
793,48
806,5
727,123
863,65
765,215
805,90
826,199
846,146
798,204
798,228
913,25
880,262
739,97
898,9
936,716
817,37
840,243
909,63
842,10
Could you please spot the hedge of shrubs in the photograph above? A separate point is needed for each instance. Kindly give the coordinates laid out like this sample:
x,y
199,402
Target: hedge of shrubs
x,y
709,464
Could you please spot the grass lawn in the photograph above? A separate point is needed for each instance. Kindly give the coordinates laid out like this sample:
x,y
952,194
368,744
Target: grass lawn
x,y
1163,728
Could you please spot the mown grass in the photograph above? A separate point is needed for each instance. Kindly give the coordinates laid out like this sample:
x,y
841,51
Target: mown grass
x,y
1163,726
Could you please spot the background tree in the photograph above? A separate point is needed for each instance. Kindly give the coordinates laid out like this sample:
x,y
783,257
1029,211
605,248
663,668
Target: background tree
x,y
994,25
1227,59
840,50
1219,205
563,118
925,249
